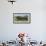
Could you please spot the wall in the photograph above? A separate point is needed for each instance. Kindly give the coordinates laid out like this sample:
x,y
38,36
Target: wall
x,y
37,28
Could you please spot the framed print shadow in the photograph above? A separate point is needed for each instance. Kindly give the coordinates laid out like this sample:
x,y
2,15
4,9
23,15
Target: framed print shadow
x,y
21,18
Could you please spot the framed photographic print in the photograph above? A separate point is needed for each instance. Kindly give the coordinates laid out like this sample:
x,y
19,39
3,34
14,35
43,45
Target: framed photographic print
x,y
21,18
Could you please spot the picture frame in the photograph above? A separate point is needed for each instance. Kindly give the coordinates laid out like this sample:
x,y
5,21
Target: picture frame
x,y
21,18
